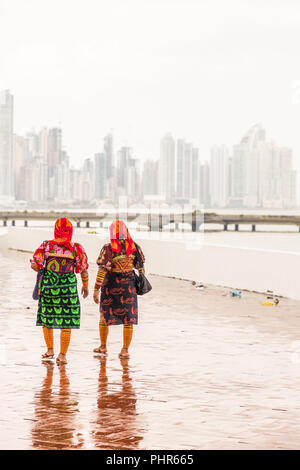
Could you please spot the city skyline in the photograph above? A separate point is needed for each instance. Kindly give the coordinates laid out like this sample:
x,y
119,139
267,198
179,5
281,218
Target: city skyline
x,y
206,73
111,133
36,168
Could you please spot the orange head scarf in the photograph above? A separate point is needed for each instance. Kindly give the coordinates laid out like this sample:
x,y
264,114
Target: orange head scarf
x,y
119,231
63,232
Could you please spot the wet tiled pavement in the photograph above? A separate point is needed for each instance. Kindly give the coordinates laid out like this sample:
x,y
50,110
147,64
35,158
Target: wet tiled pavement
x,y
206,372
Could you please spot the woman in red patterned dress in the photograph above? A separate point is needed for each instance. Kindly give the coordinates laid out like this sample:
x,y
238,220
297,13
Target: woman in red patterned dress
x,y
118,302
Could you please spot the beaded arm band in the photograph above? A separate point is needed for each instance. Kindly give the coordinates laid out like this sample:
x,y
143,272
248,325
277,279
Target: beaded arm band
x,y
100,278
85,280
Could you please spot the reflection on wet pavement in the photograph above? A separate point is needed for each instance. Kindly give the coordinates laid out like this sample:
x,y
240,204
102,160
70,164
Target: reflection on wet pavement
x,y
206,372
115,425
54,413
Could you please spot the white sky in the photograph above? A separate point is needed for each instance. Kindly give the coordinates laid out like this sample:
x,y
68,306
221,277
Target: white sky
x,y
204,70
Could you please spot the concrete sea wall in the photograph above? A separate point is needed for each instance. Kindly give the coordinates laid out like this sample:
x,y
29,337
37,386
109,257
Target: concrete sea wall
x,y
243,268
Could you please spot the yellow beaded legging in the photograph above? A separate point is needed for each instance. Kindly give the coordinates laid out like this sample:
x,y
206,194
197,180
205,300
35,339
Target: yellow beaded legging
x,y
48,335
127,334
65,336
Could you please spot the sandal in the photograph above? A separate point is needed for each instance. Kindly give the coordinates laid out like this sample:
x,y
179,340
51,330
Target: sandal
x,y
101,350
60,360
47,357
124,354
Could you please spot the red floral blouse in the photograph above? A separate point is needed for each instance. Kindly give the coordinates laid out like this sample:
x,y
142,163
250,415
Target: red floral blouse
x,y
47,249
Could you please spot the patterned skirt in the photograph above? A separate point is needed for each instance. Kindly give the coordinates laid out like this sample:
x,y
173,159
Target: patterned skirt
x,y
59,305
118,302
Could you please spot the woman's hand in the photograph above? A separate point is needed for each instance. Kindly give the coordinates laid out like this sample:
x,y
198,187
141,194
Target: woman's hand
x,y
34,266
84,292
96,296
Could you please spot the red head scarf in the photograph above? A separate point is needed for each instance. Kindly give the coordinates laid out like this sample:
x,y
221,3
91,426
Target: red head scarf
x,y
63,232
119,231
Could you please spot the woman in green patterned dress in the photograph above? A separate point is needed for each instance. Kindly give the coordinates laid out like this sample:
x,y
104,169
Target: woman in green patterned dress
x,y
59,305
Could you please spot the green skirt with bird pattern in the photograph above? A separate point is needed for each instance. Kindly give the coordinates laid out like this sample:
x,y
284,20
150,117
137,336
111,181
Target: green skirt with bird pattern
x,y
59,305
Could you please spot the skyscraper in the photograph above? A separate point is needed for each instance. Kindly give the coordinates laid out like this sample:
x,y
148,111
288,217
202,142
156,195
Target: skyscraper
x,y
167,168
288,178
128,174
100,165
124,157
132,180
109,152
150,177
203,187
262,173
186,171
53,158
246,161
194,174
88,180
20,148
277,178
219,176
180,168
62,180
6,144
33,145
43,144
76,184
54,147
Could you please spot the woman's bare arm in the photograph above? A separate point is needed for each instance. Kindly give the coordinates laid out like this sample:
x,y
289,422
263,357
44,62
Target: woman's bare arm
x,y
85,283
34,266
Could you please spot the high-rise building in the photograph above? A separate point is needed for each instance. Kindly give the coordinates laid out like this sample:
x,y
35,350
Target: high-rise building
x,y
277,178
150,177
187,161
61,180
88,185
194,175
166,168
75,185
33,181
33,145
109,152
132,180
246,161
6,144
180,168
128,175
261,172
100,165
54,147
219,176
124,157
187,172
184,170
43,144
20,149
203,187
288,178
31,169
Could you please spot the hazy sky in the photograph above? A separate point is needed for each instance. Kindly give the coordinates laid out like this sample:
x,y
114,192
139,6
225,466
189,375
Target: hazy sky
x,y
204,70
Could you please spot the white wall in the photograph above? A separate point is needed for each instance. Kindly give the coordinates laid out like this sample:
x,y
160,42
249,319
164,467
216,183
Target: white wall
x,y
242,268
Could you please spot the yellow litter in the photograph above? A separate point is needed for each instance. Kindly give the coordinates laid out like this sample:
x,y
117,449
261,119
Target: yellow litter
x,y
270,303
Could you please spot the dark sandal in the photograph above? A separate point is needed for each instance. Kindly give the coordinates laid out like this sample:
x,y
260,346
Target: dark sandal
x,y
47,357
98,350
61,361
124,356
